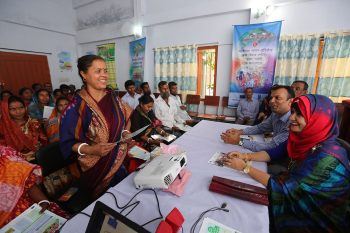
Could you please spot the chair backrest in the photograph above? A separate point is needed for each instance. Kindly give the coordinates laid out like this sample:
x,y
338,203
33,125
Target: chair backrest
x,y
211,101
121,93
50,158
224,102
193,99
345,145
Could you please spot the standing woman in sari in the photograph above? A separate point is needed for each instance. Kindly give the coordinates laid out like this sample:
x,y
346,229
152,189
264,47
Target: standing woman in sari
x,y
18,130
312,195
90,127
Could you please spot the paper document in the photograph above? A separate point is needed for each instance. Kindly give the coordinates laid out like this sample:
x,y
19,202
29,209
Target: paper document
x,y
209,226
253,138
217,159
168,138
133,134
139,153
47,112
31,220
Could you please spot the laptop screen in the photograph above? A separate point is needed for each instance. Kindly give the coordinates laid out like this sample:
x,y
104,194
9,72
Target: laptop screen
x,y
106,220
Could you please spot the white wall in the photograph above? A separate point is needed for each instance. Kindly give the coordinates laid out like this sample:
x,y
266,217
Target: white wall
x,y
313,16
41,26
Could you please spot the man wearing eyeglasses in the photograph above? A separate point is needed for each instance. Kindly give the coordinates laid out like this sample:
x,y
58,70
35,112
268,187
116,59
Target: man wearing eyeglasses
x,y
277,123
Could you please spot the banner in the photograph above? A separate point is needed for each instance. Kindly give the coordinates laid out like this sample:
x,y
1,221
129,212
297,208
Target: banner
x,y
254,54
137,54
107,52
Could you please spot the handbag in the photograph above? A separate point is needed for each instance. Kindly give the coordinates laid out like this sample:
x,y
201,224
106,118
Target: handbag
x,y
239,190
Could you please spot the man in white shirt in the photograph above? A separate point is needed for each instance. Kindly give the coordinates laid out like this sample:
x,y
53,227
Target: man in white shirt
x,y
146,90
181,109
166,111
131,97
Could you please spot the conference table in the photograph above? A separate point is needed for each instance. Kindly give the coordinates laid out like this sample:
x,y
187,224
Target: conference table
x,y
200,143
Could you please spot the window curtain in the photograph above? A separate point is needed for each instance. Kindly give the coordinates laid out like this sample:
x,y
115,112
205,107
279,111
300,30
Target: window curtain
x,y
297,59
334,80
177,64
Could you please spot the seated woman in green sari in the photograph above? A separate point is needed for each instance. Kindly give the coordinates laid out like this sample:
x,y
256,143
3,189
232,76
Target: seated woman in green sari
x,y
312,195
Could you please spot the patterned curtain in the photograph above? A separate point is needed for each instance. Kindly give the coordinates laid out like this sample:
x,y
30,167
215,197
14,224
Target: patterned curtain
x,y
297,59
334,78
177,64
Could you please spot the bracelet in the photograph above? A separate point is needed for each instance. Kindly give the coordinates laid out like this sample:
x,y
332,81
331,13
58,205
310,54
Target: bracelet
x,y
125,130
79,147
149,139
44,201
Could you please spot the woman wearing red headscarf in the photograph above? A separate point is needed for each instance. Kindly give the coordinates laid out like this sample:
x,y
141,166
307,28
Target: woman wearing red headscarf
x,y
18,130
312,195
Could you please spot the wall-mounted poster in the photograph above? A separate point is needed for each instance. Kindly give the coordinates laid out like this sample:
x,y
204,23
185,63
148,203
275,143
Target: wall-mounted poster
x,y
65,61
254,53
107,52
137,55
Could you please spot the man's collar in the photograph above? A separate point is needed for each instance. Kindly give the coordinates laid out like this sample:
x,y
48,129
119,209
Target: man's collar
x,y
285,117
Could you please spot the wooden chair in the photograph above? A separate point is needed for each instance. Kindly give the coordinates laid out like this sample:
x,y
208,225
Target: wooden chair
x,y
193,100
224,117
121,93
212,101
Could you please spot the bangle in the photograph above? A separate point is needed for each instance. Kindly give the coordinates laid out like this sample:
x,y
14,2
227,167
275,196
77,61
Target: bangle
x,y
44,201
125,130
79,147
149,139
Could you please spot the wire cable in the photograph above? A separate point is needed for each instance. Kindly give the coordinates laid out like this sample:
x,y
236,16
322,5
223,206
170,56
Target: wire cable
x,y
59,229
222,207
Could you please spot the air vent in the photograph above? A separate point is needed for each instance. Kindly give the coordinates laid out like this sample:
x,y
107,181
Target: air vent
x,y
168,179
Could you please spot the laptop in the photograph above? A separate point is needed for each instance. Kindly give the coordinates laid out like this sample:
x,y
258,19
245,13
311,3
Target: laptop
x,y
105,219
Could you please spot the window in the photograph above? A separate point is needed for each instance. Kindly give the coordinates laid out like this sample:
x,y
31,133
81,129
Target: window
x,y
206,72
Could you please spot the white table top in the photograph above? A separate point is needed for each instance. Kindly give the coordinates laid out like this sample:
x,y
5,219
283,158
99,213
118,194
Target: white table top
x,y
200,144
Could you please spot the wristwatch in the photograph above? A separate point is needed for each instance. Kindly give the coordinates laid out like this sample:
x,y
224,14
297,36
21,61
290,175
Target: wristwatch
x,y
246,169
240,142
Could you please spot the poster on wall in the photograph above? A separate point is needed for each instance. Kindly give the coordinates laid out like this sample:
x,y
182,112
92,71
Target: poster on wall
x,y
107,52
65,61
254,54
137,55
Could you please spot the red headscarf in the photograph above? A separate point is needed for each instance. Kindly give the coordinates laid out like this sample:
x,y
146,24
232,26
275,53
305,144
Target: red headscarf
x,y
12,133
321,125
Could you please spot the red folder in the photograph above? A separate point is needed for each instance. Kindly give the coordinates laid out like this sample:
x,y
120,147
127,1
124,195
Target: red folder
x,y
239,190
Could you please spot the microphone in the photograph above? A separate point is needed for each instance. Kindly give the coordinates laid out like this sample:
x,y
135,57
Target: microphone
x,y
223,205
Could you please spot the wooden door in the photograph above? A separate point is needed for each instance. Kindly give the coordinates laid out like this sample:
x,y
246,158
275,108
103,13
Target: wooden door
x,y
19,70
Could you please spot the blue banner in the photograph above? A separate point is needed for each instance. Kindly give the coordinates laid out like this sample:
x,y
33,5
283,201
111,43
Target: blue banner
x,y
137,55
254,54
